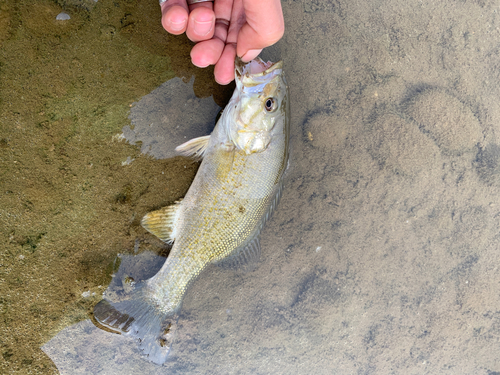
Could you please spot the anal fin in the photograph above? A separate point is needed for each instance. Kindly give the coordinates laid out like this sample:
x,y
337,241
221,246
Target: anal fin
x,y
244,258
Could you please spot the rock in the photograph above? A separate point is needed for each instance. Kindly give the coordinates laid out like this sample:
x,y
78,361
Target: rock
x,y
63,16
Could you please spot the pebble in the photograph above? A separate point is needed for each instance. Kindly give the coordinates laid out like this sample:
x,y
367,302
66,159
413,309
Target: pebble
x,y
63,16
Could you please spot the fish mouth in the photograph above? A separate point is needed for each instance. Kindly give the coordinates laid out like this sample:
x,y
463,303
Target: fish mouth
x,y
256,71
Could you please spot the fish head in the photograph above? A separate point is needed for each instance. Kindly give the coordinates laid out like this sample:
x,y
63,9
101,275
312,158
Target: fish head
x,y
258,106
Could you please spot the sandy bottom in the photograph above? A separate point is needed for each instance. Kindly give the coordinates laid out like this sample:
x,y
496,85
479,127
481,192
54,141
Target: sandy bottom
x,y
383,256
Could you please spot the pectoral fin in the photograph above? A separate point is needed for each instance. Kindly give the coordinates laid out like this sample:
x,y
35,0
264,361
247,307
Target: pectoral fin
x,y
162,222
194,148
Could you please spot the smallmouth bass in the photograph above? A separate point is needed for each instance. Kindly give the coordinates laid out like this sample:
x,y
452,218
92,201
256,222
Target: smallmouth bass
x,y
236,189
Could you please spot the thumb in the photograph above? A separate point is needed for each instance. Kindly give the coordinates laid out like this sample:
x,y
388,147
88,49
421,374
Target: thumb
x,y
264,26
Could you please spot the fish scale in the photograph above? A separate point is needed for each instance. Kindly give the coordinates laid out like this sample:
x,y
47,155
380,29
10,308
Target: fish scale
x,y
219,220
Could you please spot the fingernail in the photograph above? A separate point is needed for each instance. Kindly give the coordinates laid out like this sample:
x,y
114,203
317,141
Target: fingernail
x,y
177,26
202,28
251,54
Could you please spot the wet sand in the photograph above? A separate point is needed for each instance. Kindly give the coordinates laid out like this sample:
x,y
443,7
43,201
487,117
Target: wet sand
x,y
383,255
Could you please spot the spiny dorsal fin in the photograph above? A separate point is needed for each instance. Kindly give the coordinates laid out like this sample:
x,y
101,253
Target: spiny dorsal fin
x,y
195,147
161,222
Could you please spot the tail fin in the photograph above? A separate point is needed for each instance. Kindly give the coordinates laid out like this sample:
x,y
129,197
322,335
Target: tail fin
x,y
139,317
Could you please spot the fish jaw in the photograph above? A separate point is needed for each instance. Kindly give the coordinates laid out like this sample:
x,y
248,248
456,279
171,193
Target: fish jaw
x,y
256,71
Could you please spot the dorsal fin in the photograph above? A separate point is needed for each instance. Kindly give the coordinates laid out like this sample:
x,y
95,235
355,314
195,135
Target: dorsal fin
x,y
161,222
195,147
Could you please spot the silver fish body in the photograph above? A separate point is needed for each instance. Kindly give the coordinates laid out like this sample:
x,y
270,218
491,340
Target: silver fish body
x,y
219,220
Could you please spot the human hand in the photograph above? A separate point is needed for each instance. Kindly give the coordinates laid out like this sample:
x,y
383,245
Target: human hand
x,y
223,29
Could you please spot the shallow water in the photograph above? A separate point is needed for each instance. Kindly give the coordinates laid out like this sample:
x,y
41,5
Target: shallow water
x,y
382,257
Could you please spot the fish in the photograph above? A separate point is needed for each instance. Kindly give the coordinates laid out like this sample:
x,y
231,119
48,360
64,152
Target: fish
x,y
236,189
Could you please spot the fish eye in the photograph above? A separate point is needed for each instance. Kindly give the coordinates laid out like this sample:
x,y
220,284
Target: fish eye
x,y
271,104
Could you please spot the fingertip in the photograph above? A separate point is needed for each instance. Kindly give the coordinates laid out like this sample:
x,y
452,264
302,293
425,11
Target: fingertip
x,y
201,24
250,55
207,52
174,19
224,80
224,69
